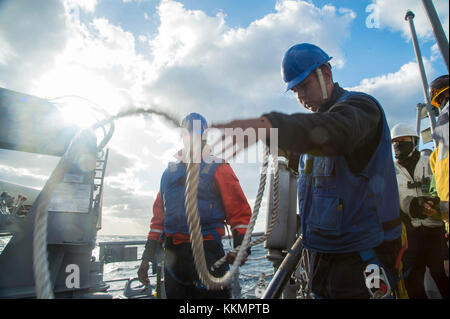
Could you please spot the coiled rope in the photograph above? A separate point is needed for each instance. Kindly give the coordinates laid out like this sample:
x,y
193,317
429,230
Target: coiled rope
x,y
40,254
40,259
212,282
274,218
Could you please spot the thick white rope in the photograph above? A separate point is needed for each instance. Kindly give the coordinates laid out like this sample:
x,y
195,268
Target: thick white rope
x,y
212,282
40,259
274,218
41,271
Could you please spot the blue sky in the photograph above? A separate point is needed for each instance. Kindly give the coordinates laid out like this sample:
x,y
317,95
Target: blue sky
x,y
220,58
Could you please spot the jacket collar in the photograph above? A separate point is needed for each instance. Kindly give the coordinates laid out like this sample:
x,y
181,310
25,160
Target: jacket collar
x,y
335,95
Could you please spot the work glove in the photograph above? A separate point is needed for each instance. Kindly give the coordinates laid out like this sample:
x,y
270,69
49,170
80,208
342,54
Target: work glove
x,y
237,241
424,206
143,272
152,253
231,256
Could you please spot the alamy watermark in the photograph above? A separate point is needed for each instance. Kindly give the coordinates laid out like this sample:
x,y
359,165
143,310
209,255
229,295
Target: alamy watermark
x,y
377,281
372,274
73,277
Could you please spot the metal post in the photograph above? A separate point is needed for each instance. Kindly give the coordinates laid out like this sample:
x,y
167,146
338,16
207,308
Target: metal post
x,y
438,31
409,17
283,274
418,118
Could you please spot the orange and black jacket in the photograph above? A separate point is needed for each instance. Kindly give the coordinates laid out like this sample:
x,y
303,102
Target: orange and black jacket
x,y
237,210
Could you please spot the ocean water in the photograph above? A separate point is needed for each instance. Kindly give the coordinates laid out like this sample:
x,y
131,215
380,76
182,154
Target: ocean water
x,y
117,274
249,273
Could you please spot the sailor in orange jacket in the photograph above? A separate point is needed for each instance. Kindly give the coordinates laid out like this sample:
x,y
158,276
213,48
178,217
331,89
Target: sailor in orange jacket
x,y
220,200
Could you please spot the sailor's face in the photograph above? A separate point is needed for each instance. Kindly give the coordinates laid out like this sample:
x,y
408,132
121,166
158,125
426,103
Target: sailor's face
x,y
308,93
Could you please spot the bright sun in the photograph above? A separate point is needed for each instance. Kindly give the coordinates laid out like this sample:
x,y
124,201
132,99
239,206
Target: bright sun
x,y
82,96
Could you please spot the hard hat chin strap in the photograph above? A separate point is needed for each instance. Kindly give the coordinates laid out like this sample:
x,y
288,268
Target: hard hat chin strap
x,y
413,150
323,87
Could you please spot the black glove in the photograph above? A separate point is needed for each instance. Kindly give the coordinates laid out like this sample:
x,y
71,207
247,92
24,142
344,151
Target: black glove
x,y
152,252
231,256
143,272
237,240
416,208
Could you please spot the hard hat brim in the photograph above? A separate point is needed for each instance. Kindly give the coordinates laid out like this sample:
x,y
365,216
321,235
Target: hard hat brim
x,y
403,129
436,95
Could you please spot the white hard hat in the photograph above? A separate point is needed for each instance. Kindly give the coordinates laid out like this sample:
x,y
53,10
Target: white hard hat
x,y
403,129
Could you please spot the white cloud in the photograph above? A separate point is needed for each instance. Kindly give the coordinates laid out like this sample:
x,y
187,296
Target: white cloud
x,y
129,1
398,92
26,168
31,33
87,5
204,65
99,63
142,38
392,15
12,171
198,63
6,50
195,62
123,226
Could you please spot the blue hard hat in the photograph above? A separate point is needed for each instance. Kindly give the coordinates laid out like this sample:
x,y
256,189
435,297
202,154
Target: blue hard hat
x,y
299,61
189,123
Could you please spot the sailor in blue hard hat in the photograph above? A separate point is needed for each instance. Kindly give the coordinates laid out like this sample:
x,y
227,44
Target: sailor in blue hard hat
x,y
299,62
347,189
220,201
194,123
193,128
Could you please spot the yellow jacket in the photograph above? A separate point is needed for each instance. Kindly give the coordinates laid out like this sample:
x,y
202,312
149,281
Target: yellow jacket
x,y
439,167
